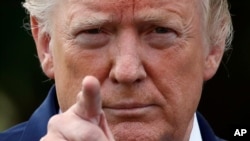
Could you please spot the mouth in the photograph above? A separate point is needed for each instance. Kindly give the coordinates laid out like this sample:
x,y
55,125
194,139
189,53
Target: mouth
x,y
129,109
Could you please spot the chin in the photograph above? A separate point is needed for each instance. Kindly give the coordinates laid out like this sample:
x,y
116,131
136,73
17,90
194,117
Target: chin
x,y
137,131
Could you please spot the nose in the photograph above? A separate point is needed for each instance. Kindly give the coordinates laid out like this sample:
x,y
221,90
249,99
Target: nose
x,y
127,69
127,65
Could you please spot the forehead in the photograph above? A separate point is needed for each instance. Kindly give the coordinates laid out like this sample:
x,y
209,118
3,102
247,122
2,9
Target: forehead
x,y
110,4
131,6
123,5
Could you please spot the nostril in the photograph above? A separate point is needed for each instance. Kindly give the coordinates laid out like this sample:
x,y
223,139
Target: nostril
x,y
138,80
114,80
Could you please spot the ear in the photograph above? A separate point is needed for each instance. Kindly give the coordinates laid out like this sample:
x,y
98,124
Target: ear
x,y
42,41
213,60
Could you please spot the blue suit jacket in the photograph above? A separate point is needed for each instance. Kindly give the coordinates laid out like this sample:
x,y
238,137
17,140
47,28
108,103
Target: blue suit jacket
x,y
36,126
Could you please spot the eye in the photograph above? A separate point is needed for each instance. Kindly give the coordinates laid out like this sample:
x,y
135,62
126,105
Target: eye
x,y
161,37
92,38
161,30
93,31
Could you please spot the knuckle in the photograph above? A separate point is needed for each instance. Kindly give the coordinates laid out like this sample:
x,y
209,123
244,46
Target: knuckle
x,y
55,121
90,132
93,134
74,128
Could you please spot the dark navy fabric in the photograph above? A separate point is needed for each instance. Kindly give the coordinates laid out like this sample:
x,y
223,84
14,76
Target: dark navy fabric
x,y
36,126
207,133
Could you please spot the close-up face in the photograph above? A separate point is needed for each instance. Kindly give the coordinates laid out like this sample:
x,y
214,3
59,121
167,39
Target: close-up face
x,y
151,58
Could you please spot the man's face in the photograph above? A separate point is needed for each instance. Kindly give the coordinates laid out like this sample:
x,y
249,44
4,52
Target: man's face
x,y
150,57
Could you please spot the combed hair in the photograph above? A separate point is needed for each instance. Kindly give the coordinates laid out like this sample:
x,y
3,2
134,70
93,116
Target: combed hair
x,y
217,18
218,21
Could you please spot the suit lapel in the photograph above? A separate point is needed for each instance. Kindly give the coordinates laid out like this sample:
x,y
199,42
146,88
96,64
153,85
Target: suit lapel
x,y
205,129
37,124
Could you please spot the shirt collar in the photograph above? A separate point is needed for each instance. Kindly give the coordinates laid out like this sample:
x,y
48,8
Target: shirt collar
x,y
195,133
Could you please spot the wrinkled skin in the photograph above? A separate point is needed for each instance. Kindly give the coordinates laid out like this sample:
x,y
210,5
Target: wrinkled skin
x,y
150,58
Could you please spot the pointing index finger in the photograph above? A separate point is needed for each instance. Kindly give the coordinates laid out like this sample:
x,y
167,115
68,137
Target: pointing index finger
x,y
89,103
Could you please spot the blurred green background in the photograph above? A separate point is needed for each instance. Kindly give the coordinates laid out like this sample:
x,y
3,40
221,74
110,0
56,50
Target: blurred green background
x,y
225,101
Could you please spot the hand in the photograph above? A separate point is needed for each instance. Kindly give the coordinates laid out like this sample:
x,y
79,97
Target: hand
x,y
83,121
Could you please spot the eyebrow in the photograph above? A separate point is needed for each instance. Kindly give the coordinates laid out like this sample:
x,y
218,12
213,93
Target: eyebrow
x,y
92,20
160,17
97,19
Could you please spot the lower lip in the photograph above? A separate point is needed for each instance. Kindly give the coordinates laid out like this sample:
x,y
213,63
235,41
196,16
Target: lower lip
x,y
129,112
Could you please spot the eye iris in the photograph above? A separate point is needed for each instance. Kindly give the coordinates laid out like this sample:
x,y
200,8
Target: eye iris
x,y
161,30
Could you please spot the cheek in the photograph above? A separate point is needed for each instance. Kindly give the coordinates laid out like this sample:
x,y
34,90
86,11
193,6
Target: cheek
x,y
72,64
179,78
68,83
80,63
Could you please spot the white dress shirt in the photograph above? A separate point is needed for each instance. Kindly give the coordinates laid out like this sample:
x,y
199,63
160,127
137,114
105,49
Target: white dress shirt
x,y
195,133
